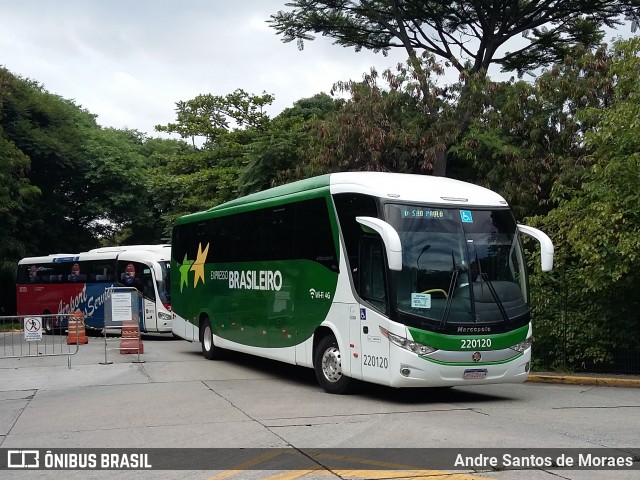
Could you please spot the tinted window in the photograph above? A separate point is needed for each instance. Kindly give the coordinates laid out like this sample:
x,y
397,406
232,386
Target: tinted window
x,y
67,272
349,206
313,234
372,273
292,231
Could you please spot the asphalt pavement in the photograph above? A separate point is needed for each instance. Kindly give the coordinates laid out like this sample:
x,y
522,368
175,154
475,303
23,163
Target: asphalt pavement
x,y
97,397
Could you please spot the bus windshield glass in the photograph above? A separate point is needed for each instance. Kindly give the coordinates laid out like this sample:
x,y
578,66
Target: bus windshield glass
x,y
163,284
459,266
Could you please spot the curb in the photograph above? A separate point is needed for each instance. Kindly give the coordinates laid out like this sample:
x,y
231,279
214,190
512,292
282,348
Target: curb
x,y
582,380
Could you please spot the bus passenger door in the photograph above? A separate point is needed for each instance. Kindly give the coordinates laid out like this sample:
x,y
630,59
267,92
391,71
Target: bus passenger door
x,y
148,301
149,312
373,291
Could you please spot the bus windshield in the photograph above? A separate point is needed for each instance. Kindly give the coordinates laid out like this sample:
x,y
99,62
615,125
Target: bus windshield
x,y
459,266
163,284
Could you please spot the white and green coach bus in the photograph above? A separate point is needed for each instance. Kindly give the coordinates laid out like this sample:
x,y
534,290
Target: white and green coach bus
x,y
401,280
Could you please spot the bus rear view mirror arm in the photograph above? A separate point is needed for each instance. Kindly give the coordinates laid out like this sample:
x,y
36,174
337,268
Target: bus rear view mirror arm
x,y
390,238
546,245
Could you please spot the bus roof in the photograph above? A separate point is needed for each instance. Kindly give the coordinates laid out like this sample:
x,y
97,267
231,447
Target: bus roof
x,y
121,248
393,186
405,187
143,253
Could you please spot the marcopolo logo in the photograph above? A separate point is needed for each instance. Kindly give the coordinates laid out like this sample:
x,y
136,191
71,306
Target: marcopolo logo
x,y
255,280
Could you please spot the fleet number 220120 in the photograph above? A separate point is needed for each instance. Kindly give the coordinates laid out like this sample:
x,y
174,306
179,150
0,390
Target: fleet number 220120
x,y
470,343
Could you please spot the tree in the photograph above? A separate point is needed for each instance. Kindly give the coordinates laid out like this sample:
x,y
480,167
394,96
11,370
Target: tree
x,y
204,177
210,116
16,196
49,131
278,154
470,36
530,136
596,229
380,128
117,201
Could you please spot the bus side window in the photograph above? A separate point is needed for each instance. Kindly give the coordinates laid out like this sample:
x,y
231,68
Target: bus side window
x,y
349,206
372,283
313,234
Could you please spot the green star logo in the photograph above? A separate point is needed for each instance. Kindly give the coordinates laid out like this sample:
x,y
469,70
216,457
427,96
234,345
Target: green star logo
x,y
184,271
196,266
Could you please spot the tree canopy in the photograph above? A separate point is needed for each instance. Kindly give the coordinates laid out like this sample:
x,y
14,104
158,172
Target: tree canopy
x,y
470,36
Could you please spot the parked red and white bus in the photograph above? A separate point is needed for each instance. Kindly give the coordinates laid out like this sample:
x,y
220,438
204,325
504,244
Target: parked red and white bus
x,y
62,283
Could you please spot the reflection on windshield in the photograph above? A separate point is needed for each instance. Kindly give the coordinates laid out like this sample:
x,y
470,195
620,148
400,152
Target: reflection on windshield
x,y
459,266
163,285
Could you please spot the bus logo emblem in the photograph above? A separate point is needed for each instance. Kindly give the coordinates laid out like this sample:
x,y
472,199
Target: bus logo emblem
x,y
476,357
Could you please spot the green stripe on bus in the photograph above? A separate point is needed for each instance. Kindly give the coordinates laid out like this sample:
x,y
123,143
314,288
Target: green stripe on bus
x,y
497,341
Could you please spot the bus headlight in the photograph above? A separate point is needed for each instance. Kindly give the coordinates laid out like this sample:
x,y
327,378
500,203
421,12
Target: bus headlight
x,y
522,346
164,316
407,344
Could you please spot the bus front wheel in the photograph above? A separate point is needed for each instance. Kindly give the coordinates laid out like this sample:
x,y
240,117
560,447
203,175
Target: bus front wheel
x,y
209,350
327,363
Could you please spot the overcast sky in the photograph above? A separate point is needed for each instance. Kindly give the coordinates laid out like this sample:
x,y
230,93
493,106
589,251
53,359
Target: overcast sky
x,y
129,61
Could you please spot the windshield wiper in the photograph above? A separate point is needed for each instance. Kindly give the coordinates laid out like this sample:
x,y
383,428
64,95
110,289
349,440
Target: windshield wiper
x,y
495,296
452,285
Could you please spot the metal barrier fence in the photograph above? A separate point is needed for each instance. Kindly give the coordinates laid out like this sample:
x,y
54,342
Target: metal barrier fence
x,y
577,329
129,341
24,336
122,308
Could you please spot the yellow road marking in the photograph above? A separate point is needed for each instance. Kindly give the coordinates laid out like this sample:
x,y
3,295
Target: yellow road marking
x,y
298,474
399,471
378,475
247,465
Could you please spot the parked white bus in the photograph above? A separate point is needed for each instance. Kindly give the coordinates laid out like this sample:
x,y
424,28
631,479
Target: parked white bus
x,y
62,283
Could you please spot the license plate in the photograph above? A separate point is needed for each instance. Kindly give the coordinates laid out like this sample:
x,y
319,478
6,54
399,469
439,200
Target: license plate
x,y
475,373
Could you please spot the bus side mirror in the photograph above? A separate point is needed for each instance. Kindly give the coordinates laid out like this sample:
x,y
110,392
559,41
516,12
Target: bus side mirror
x,y
546,245
390,238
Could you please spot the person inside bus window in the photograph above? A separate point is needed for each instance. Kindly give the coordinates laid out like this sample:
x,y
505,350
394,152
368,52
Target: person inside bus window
x,y
33,274
75,275
129,275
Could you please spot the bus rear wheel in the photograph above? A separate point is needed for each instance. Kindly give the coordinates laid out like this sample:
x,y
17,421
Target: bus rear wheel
x,y
209,350
327,363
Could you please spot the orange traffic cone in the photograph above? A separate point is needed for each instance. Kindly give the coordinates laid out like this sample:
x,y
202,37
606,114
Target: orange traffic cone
x,y
76,333
131,341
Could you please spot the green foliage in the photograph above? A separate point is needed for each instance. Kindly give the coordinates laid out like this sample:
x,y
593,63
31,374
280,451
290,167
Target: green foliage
x,y
49,131
450,30
385,128
529,137
16,194
467,35
211,116
65,183
596,229
279,154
